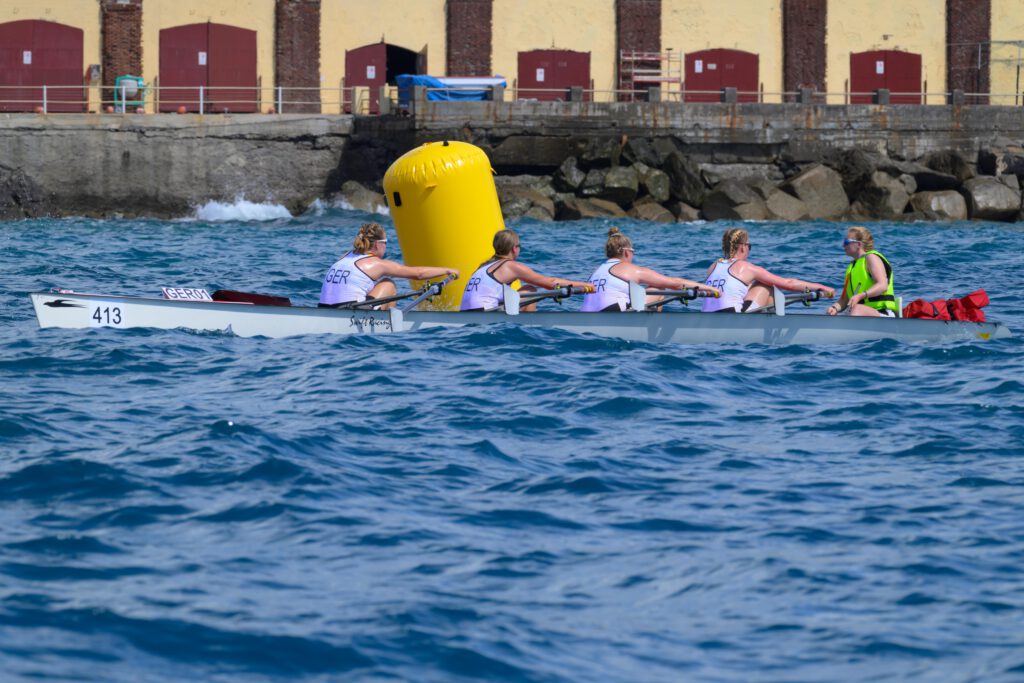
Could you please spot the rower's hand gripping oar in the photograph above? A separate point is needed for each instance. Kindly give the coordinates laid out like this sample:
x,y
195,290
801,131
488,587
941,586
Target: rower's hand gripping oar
x,y
431,290
425,292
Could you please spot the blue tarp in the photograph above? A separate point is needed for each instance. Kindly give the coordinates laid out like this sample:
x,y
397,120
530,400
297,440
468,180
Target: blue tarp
x,y
446,89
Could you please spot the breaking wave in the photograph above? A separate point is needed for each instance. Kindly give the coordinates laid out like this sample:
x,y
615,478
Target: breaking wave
x,y
240,210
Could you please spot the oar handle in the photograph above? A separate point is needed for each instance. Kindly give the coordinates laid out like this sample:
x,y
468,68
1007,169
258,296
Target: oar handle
x,y
431,290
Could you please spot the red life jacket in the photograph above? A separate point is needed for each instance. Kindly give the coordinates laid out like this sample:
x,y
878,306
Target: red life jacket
x,y
965,308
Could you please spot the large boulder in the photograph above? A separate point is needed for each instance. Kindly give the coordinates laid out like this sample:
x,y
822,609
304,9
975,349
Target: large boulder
x,y
21,196
855,166
621,185
575,208
593,184
782,206
532,151
519,201
882,197
821,189
685,182
601,152
733,200
653,182
649,210
947,205
995,161
990,200
569,176
951,162
747,173
640,151
683,212
926,179
362,199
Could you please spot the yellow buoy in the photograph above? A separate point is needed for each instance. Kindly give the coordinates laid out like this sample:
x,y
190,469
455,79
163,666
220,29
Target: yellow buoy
x,y
445,208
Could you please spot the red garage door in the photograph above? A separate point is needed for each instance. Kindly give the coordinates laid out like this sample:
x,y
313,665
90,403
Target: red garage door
x,y
37,53
898,71
708,71
547,74
218,58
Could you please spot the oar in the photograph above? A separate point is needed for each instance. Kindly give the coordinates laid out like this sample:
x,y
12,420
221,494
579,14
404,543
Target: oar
x,y
422,293
804,297
556,294
430,290
671,295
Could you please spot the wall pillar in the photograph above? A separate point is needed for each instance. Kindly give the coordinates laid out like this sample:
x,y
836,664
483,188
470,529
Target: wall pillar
x,y
121,46
968,33
297,57
804,27
469,37
637,29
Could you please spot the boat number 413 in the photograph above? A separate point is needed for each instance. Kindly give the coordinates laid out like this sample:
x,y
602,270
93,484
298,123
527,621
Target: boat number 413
x,y
106,314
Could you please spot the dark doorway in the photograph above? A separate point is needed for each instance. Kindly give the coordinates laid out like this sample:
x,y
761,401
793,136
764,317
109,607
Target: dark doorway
x,y
376,65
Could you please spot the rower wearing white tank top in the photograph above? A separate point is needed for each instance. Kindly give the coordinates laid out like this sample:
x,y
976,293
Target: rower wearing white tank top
x,y
611,279
364,273
485,287
744,286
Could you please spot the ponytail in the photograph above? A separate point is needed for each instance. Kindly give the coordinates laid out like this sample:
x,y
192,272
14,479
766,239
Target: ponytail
x,y
731,241
368,234
504,242
617,243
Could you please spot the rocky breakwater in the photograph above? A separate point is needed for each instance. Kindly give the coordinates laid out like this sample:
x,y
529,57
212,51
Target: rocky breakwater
x,y
657,180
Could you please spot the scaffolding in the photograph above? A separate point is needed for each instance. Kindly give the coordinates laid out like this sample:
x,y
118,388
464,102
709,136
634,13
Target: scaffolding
x,y
639,71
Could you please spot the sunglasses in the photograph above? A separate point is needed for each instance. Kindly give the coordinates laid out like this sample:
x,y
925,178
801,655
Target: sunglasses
x,y
848,242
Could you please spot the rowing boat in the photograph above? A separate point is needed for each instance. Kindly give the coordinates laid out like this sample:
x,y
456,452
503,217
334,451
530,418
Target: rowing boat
x,y
66,309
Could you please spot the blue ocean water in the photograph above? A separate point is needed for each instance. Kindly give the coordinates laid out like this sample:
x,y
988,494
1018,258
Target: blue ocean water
x,y
502,503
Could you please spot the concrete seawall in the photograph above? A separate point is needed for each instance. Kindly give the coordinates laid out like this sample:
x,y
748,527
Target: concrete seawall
x,y
163,165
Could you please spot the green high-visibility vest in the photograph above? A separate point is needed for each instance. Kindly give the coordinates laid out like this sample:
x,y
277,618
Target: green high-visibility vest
x,y
858,280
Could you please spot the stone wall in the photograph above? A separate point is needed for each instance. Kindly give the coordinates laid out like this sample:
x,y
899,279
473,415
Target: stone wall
x,y
297,53
164,165
468,37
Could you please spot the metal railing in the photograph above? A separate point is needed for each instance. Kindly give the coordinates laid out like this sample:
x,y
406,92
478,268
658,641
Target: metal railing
x,y
363,100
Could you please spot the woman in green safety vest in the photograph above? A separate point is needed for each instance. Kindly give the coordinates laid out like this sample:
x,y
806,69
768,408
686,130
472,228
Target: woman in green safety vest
x,y
867,287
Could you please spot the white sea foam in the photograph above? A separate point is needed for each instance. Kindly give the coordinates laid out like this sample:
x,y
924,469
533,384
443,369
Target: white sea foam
x,y
241,210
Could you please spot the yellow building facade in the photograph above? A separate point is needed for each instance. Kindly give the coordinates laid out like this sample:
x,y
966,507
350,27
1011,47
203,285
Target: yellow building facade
x,y
350,24
1007,52
76,13
917,26
579,25
749,25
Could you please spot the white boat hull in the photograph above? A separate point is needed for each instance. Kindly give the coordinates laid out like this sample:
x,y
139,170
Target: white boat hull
x,y
66,310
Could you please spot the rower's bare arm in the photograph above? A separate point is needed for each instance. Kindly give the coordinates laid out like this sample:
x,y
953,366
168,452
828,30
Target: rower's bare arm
x,y
789,284
394,269
531,277
877,271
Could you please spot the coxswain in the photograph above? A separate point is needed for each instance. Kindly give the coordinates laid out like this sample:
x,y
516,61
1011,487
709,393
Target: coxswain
x,y
611,279
364,273
485,287
867,287
744,286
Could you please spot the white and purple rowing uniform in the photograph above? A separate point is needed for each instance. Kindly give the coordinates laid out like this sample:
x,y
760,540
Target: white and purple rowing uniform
x,y
483,291
611,292
346,282
733,290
